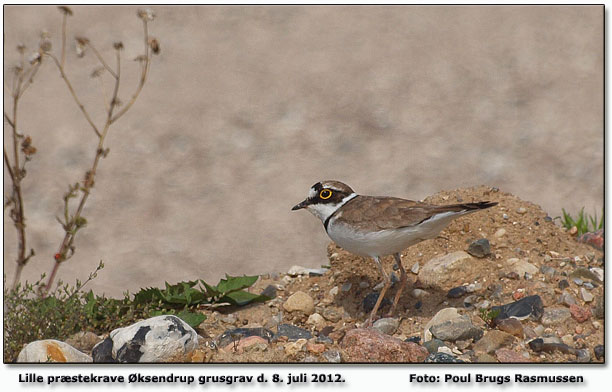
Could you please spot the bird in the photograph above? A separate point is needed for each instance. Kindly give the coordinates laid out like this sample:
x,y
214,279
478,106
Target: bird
x,y
378,226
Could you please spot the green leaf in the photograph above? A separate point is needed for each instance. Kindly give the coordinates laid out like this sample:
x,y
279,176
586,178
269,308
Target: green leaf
x,y
235,283
192,318
242,298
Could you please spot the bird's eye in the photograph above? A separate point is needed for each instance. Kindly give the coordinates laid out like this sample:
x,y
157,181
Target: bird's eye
x,y
325,194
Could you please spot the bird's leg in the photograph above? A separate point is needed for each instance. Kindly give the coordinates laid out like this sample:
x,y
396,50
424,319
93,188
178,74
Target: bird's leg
x,y
402,284
387,280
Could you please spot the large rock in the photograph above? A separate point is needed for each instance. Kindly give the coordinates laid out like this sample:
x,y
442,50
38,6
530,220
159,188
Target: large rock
x,y
51,350
447,270
157,339
369,345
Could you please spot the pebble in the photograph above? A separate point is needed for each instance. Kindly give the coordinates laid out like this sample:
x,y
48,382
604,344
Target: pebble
x,y
588,285
364,285
332,356
419,293
415,268
433,345
563,284
458,328
548,271
316,320
583,355
521,266
505,355
493,340
567,339
235,335
480,248
470,300
228,318
386,325
585,274
599,351
331,315
269,291
333,291
483,304
555,316
299,302
292,332
370,300
511,326
500,233
315,348
579,313
586,296
505,216
598,310
577,281
442,358
456,292
567,299
521,210
346,287
530,306
292,348
325,339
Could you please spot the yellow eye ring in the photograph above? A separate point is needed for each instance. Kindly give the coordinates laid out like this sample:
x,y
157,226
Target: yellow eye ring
x,y
325,194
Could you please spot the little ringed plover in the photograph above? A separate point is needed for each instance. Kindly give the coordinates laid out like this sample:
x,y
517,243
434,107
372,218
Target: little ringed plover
x,y
377,226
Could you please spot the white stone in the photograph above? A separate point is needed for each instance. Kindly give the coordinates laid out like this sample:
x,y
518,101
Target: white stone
x,y
51,350
157,339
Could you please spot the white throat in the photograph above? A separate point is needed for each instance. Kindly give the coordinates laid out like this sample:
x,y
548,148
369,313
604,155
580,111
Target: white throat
x,y
325,210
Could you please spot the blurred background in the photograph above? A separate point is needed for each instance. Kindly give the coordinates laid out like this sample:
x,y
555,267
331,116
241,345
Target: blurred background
x,y
247,107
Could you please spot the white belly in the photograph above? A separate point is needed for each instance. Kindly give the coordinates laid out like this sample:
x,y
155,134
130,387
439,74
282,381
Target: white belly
x,y
386,242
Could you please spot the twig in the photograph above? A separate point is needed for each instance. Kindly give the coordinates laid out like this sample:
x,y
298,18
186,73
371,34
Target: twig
x,y
64,39
143,76
104,64
74,96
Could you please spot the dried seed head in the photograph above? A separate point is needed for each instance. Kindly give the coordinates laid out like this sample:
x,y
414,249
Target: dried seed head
x,y
154,44
118,45
45,45
27,147
81,46
146,14
65,10
97,72
34,58
21,48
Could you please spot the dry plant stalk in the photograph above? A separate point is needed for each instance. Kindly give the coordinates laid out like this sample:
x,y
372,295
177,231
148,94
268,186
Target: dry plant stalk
x,y
22,79
72,222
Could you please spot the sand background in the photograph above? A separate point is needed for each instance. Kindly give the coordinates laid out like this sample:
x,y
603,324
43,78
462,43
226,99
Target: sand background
x,y
247,107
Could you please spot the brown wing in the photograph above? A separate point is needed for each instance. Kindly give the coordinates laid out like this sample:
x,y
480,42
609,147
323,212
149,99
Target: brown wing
x,y
393,213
